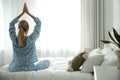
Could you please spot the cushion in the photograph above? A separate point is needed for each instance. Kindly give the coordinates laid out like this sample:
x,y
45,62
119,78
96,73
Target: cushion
x,y
110,58
95,52
77,61
106,51
94,59
118,56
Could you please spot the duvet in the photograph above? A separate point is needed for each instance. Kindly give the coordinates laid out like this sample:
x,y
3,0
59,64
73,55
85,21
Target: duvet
x,y
56,71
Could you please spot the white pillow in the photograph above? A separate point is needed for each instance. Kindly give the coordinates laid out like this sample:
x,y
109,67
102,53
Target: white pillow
x,y
92,61
95,52
106,51
110,58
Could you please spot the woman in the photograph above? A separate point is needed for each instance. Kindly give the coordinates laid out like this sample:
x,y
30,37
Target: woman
x,y
24,49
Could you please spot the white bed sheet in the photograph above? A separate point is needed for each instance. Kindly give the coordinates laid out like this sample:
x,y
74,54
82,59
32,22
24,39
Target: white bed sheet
x,y
56,71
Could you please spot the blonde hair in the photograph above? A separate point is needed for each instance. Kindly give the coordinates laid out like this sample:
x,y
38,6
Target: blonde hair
x,y
23,30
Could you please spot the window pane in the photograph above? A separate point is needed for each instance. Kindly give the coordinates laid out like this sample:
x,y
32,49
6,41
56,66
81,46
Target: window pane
x,y
61,21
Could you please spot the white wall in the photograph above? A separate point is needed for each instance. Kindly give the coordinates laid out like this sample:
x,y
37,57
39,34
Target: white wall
x,y
116,14
108,16
111,16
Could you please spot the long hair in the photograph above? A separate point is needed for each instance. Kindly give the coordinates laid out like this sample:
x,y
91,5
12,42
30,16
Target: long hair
x,y
23,30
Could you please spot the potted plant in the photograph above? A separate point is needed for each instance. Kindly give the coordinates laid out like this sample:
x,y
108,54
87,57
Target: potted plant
x,y
114,40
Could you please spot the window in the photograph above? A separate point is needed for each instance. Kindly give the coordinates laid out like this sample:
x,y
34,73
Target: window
x,y
61,22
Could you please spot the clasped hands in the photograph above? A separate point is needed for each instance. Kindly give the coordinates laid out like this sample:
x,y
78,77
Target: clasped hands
x,y
25,9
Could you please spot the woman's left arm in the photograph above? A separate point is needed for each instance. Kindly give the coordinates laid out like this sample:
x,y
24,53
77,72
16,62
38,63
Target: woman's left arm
x,y
12,30
21,13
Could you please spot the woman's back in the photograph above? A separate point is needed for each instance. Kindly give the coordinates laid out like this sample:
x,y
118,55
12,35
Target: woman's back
x,y
27,52
24,49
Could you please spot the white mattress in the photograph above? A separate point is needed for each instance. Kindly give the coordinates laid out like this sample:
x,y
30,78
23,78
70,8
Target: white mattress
x,y
56,71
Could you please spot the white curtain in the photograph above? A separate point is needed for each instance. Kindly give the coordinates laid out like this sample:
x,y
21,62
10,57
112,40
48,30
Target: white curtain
x,y
92,23
60,30
116,15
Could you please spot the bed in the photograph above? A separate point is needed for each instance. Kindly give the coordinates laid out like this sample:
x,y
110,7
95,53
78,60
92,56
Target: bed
x,y
59,65
56,71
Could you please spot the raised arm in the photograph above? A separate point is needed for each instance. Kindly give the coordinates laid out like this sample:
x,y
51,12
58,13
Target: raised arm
x,y
34,35
12,30
21,13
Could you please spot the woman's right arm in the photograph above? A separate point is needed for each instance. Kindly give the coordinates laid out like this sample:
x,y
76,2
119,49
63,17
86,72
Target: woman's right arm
x,y
12,30
36,32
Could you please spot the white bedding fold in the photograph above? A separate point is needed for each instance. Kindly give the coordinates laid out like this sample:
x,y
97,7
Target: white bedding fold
x,y
56,71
